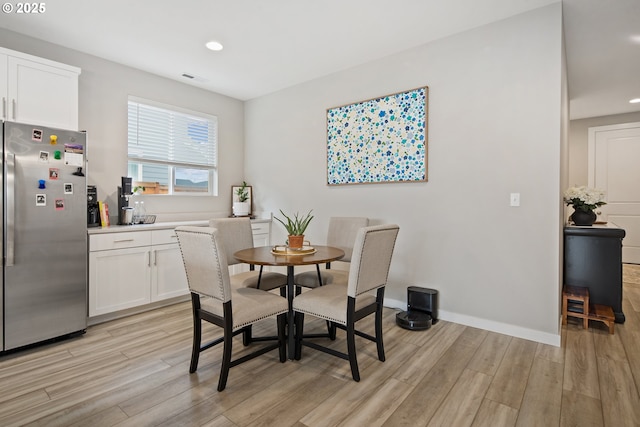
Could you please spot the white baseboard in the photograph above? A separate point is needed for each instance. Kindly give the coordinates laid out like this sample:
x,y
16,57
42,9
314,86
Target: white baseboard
x,y
489,325
95,320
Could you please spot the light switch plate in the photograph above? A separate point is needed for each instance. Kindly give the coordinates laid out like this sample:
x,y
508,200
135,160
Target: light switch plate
x,y
515,199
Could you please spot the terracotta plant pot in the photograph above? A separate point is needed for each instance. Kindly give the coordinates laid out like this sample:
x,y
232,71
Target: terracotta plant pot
x,y
296,242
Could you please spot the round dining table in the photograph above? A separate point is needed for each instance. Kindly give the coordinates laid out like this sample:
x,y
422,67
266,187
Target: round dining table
x,y
279,256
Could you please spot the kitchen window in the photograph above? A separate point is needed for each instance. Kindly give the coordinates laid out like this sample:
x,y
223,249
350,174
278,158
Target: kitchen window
x,y
172,150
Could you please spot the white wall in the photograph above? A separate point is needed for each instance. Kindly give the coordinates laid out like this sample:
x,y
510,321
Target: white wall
x,y
494,128
103,90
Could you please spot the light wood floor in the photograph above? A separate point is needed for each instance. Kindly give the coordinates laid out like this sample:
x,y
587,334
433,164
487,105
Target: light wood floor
x,y
134,372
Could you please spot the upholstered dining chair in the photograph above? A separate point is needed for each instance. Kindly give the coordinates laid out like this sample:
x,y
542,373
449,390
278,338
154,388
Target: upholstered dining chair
x,y
346,305
236,234
341,234
214,300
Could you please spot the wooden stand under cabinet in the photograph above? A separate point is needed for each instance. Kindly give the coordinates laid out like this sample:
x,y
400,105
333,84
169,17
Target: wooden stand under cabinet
x,y
38,91
575,303
593,259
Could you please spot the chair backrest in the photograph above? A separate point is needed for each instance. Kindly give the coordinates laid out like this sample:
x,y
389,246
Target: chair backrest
x,y
205,262
371,259
342,233
235,233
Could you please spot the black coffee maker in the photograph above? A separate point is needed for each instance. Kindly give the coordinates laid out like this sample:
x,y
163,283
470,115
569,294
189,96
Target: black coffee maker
x,y
93,210
123,199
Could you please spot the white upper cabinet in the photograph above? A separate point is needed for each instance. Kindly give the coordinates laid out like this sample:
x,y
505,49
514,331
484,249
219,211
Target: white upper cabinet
x,y
38,91
4,80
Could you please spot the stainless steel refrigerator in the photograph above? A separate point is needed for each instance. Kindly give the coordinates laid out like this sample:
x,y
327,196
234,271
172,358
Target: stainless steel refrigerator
x,y
44,234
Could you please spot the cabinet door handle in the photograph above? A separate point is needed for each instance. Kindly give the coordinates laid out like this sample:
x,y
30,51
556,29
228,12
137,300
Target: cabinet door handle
x,y
13,103
4,107
123,240
155,257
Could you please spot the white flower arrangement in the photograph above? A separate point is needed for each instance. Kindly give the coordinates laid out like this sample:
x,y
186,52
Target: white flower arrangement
x,y
584,198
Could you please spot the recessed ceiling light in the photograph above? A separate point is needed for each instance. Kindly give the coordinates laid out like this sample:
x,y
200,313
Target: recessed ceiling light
x,y
634,101
214,45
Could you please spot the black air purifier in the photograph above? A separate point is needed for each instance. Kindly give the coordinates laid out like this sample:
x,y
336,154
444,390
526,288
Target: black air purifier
x,y
422,309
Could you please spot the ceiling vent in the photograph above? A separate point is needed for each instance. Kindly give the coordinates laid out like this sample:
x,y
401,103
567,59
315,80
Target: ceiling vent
x,y
194,78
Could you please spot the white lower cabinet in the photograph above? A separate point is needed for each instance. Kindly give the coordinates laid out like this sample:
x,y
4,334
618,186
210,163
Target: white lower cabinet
x,y
118,279
167,273
261,233
131,269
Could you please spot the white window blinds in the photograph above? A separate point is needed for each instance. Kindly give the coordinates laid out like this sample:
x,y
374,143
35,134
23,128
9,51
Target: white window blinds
x,y
173,136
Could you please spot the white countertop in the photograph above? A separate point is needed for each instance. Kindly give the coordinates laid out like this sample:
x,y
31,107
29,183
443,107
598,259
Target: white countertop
x,y
154,226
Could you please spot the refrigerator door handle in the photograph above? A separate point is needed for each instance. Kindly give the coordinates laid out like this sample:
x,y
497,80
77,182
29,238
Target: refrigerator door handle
x,y
11,209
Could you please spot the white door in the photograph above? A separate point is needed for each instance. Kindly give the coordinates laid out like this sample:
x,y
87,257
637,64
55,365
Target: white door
x,y
614,166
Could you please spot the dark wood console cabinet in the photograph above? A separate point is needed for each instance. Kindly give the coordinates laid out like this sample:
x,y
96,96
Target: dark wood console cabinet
x,y
593,259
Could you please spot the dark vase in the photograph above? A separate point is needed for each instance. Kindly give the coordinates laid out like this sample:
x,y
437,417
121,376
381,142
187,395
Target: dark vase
x,y
580,217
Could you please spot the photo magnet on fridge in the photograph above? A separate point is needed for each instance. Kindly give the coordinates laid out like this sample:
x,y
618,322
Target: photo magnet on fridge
x,y
41,200
36,135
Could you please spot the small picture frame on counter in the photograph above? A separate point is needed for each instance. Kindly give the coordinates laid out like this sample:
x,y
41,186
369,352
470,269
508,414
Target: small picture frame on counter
x,y
241,200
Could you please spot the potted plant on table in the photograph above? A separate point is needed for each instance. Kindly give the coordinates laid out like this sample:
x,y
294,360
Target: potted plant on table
x,y
584,201
295,227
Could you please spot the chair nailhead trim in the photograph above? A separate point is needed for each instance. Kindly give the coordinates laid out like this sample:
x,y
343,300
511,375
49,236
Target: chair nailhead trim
x,y
242,325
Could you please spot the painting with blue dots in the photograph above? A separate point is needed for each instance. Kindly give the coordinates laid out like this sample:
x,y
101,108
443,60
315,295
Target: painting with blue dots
x,y
380,140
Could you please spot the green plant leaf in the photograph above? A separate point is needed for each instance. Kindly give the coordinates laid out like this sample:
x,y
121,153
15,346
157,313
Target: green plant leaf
x,y
297,225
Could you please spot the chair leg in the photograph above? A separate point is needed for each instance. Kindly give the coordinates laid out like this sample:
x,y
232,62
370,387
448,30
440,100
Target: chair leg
x,y
351,349
197,333
282,338
378,324
195,349
379,342
299,321
331,329
226,349
247,335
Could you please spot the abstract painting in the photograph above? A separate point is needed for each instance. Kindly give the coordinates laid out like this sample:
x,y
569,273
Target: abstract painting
x,y
379,140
